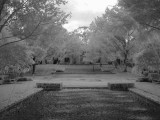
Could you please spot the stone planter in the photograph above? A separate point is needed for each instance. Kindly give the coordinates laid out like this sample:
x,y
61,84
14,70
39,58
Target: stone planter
x,y
49,86
21,79
120,86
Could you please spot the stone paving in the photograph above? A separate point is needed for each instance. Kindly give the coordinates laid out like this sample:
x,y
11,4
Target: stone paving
x,y
150,91
11,93
152,88
86,80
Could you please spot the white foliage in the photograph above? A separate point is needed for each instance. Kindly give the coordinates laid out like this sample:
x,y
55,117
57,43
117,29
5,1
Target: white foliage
x,y
13,54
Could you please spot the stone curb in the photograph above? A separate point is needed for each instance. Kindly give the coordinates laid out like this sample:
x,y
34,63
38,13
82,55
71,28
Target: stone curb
x,y
84,73
18,102
85,87
146,95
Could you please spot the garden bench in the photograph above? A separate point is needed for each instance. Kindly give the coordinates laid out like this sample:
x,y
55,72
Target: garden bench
x,y
61,69
2,78
5,79
53,72
107,68
154,77
8,78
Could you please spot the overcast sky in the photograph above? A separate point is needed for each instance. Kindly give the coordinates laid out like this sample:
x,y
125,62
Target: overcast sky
x,y
85,11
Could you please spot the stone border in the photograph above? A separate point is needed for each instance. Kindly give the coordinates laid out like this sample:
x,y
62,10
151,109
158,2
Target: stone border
x,y
120,86
85,87
50,86
148,97
99,72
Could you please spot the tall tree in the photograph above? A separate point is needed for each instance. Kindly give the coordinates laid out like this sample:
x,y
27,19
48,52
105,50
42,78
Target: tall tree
x,y
146,12
116,29
25,18
73,48
57,42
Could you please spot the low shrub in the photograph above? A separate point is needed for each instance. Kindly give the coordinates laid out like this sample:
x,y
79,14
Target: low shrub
x,y
23,79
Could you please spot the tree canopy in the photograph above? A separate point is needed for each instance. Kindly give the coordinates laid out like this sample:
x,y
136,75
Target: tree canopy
x,y
146,12
28,20
123,32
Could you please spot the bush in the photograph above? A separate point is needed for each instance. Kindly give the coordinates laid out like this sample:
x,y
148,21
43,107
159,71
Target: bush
x,y
143,79
136,71
23,79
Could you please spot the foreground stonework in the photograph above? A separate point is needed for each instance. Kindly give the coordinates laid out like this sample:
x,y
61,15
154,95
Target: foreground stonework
x,y
120,86
49,86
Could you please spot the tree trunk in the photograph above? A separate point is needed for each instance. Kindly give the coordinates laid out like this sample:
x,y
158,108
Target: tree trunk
x,y
125,68
33,68
93,67
125,63
34,65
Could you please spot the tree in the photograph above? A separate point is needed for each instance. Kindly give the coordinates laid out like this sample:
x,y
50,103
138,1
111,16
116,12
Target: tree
x,y
73,48
98,47
115,29
148,55
25,18
57,40
83,33
146,12
37,54
148,58
14,54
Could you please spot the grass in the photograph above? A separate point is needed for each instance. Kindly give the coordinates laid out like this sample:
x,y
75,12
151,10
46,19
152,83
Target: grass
x,y
76,104
82,105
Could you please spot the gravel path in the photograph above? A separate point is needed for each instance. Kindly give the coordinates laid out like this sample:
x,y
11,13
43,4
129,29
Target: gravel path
x,y
84,104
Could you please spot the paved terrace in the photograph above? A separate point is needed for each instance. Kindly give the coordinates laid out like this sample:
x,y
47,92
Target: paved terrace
x,y
12,93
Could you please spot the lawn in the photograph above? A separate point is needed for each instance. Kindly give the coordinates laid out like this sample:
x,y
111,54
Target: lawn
x,y
82,105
